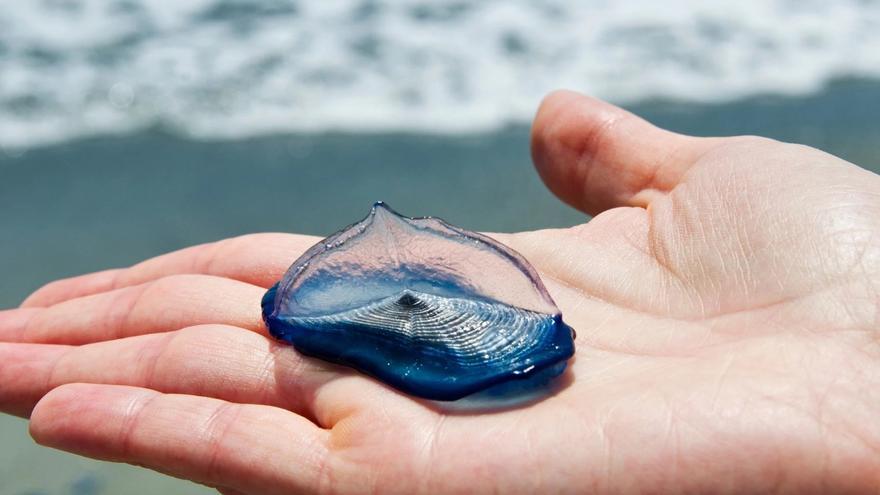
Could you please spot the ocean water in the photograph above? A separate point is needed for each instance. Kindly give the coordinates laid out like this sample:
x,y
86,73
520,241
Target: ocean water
x,y
234,68
96,203
129,128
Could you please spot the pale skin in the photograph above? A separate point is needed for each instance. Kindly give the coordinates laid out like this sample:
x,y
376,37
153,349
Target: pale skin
x,y
726,297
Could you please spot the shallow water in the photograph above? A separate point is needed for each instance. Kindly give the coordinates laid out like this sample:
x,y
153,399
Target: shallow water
x,y
106,202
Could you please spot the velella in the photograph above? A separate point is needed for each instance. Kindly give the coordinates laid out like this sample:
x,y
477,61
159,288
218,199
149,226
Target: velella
x,y
428,308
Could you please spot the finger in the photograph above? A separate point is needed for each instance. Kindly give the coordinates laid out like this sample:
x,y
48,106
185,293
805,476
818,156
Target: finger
x,y
248,448
24,372
210,360
596,156
258,259
166,304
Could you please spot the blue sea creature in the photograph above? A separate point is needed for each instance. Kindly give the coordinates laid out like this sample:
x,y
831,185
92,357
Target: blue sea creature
x,y
433,310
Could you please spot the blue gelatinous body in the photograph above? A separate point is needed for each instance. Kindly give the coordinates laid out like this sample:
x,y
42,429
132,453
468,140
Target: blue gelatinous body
x,y
430,309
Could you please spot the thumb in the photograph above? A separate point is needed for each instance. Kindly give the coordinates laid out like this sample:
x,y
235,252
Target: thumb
x,y
596,156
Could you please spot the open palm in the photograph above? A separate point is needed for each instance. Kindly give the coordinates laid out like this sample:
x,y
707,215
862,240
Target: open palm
x,y
726,297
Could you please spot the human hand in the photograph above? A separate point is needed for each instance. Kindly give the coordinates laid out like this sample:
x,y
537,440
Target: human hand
x,y
726,297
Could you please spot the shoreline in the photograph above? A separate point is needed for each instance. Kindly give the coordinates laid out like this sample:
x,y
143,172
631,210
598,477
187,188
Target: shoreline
x,y
815,119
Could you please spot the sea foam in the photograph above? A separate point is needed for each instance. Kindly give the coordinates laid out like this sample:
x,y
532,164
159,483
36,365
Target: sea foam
x,y
233,68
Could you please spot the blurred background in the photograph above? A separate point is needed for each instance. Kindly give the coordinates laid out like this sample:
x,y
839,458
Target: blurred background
x,y
129,128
